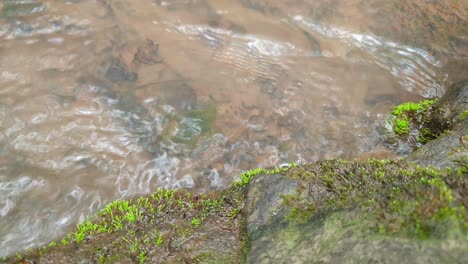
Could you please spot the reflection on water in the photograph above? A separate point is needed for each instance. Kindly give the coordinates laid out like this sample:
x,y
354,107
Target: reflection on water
x,y
108,99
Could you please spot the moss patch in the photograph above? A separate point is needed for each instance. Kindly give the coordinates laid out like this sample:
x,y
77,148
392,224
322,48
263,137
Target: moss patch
x,y
409,113
463,115
247,176
399,198
169,225
416,123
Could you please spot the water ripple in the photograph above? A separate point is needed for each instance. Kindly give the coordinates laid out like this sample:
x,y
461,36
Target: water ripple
x,y
415,68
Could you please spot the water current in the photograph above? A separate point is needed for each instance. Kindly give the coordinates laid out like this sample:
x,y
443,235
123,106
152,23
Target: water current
x,y
108,99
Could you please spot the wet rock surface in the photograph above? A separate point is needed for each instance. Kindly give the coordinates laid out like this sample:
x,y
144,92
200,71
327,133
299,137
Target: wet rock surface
x,y
445,151
342,237
451,147
265,203
410,126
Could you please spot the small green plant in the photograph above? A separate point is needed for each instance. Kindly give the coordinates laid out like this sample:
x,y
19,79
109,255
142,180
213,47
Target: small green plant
x,y
247,176
132,246
401,126
196,222
463,115
79,237
143,202
234,213
425,135
117,223
123,206
412,107
142,257
65,241
133,214
411,115
159,240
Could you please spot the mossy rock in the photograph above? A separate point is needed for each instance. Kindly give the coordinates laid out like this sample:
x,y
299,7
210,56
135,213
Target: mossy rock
x,y
415,124
412,122
328,211
361,212
342,237
169,226
451,147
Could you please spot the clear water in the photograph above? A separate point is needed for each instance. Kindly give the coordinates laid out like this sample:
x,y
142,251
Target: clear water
x,y
104,99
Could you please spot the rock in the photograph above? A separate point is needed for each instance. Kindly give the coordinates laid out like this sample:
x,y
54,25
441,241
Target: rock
x,y
449,148
336,225
117,72
454,101
444,151
178,94
341,237
148,53
264,203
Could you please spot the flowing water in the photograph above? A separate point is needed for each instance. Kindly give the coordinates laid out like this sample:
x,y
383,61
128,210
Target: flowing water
x,y
107,99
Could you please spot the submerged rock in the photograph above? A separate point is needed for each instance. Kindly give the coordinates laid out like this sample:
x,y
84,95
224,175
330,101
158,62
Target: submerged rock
x,y
118,72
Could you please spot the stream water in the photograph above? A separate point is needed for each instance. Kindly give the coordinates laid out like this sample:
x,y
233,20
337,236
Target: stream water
x,y
107,99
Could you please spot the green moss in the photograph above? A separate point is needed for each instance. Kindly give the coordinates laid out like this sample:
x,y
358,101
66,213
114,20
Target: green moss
x,y
423,118
195,222
463,115
425,135
407,113
247,176
412,107
171,215
399,198
401,126
245,245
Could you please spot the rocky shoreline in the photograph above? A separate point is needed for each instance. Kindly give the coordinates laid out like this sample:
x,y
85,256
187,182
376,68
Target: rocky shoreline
x,y
411,210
